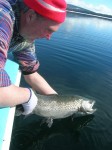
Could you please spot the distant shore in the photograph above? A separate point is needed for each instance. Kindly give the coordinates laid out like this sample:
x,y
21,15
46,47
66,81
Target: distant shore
x,y
87,14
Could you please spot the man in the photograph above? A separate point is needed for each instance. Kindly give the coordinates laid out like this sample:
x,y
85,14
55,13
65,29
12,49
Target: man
x,y
21,22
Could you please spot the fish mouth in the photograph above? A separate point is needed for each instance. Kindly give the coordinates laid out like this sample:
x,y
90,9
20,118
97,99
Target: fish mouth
x,y
87,107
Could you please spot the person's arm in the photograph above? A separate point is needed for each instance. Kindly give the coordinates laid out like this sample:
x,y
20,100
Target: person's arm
x,y
37,82
29,65
13,95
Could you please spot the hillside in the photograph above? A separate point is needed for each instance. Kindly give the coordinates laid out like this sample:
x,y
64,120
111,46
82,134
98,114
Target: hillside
x,y
86,12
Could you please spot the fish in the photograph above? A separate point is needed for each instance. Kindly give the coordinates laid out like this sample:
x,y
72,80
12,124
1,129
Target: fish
x,y
61,106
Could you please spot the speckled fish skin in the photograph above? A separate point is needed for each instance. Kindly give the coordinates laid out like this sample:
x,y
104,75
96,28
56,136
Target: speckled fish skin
x,y
60,106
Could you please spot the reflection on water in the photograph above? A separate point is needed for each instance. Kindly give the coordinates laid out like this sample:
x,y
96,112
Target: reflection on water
x,y
74,20
37,136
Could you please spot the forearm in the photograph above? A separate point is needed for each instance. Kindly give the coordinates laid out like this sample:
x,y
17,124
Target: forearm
x,y
37,82
13,95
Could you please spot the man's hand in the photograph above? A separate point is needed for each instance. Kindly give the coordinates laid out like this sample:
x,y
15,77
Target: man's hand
x,y
31,104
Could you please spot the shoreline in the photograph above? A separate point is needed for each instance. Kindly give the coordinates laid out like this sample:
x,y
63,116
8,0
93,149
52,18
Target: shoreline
x,y
88,14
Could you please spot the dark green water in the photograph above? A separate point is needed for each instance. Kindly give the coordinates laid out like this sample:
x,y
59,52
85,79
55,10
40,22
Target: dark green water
x,y
77,60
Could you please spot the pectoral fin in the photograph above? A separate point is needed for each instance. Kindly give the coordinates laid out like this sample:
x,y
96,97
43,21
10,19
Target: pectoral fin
x,y
49,121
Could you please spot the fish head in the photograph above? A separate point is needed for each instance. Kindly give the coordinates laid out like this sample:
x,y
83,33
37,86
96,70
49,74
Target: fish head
x,y
87,107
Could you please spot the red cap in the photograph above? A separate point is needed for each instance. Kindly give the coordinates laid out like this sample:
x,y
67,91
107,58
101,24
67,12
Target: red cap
x,y
52,9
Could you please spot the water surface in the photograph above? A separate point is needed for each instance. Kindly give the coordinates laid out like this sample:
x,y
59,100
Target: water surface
x,y
77,60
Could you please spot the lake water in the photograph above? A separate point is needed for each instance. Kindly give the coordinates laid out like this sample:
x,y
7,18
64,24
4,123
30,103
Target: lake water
x,y
77,60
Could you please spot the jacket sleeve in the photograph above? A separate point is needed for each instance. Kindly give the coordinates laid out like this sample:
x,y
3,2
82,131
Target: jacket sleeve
x,y
27,59
6,29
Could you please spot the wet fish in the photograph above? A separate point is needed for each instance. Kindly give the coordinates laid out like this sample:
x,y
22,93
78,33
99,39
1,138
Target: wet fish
x,y
62,106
